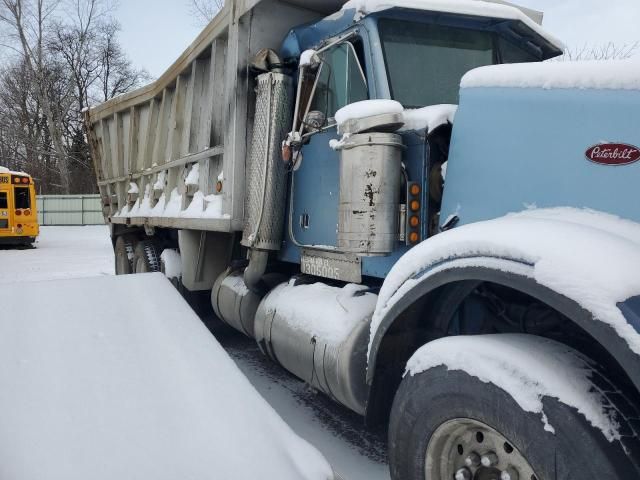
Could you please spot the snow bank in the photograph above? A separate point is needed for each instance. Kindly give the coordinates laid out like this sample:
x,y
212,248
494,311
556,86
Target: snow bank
x,y
564,247
134,389
428,117
478,8
367,108
527,368
596,75
330,313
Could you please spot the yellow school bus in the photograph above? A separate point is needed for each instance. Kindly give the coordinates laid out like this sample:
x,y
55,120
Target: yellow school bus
x,y
18,215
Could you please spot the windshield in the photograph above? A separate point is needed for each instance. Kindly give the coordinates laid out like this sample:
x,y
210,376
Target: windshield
x,y
426,62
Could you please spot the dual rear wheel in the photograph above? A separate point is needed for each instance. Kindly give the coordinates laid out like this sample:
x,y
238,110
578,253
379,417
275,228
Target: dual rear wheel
x,y
136,256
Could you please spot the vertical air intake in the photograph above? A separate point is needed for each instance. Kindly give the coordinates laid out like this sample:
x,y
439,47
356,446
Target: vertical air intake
x,y
266,173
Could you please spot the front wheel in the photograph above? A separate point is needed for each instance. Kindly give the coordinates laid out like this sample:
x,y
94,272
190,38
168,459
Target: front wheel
x,y
449,425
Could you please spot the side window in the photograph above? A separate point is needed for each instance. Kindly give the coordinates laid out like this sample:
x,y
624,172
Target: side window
x,y
3,200
341,80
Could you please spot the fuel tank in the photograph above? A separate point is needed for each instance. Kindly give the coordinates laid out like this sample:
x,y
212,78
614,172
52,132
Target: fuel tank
x,y
320,333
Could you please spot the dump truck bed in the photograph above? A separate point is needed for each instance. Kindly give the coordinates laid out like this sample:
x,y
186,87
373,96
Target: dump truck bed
x,y
146,143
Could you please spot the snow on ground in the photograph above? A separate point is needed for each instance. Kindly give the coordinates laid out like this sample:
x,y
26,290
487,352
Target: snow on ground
x,y
60,252
116,377
354,452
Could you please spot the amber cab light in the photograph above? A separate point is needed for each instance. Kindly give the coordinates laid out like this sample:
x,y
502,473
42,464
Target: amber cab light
x,y
414,221
415,189
414,237
27,212
25,180
414,205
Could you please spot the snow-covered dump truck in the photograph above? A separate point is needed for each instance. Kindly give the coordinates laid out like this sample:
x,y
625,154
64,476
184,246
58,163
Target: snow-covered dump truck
x,y
461,263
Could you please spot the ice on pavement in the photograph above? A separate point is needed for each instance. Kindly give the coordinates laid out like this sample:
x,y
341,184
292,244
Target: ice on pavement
x,y
528,369
116,377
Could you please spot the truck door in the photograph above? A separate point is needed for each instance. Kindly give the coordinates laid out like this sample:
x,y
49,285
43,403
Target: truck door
x,y
340,81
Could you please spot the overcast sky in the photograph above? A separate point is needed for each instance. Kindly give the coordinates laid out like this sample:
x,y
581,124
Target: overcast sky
x,y
156,32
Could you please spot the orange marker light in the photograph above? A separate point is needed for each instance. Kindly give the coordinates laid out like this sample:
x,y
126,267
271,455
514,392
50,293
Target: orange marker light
x,y
25,180
219,187
415,189
414,221
414,205
414,237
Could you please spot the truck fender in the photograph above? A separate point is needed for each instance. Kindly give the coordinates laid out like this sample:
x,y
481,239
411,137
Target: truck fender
x,y
467,267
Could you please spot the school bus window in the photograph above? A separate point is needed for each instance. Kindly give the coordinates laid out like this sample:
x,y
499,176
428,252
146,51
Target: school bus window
x,y
22,198
3,200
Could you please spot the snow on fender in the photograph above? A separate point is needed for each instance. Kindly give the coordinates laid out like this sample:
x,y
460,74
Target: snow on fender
x,y
528,368
116,377
589,257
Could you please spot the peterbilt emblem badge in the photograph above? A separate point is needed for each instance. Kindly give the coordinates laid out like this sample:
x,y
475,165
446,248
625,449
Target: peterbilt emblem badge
x,y
613,154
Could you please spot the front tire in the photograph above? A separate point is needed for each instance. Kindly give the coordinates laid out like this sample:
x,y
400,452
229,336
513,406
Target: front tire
x,y
440,418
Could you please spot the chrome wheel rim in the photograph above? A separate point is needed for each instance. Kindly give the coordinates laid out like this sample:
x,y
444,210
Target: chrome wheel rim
x,y
466,449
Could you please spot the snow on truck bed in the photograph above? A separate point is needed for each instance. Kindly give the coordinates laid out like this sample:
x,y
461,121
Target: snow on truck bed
x,y
116,378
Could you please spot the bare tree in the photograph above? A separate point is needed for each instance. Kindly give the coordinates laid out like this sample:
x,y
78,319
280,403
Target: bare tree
x,y
607,51
204,10
68,58
29,21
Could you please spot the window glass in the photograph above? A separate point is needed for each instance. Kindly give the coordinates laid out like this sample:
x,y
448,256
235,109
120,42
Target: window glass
x,y
340,81
22,198
3,200
425,62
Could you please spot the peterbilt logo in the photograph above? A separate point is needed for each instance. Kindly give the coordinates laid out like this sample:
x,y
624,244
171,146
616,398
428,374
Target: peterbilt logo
x,y
613,154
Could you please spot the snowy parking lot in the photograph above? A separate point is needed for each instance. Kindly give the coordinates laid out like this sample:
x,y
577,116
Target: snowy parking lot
x,y
81,252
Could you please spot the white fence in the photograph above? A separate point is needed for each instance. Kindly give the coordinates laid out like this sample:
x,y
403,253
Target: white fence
x,y
69,210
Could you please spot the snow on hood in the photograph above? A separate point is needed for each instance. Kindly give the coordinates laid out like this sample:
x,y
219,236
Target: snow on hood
x,y
428,117
478,8
367,108
527,368
595,75
116,378
590,257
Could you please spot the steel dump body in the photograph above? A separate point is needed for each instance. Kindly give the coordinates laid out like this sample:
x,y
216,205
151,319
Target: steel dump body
x,y
197,113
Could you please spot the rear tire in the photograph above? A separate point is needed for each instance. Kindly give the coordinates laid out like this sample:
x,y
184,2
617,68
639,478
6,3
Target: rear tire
x,y
146,258
428,404
124,251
